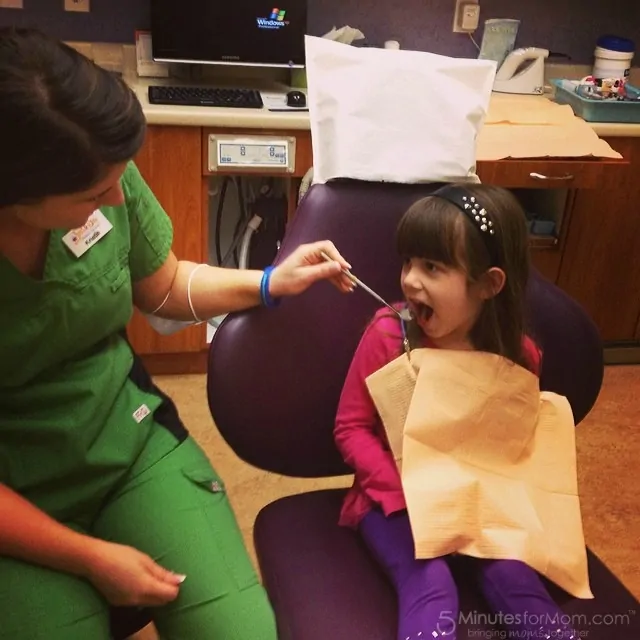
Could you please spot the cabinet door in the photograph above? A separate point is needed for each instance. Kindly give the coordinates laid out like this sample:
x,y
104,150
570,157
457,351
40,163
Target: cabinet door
x,y
170,161
548,194
546,262
601,259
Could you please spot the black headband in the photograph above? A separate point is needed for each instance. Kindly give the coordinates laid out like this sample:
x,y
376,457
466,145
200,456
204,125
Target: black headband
x,y
474,210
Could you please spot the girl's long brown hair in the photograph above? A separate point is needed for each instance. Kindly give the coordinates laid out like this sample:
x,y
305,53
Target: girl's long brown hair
x,y
436,230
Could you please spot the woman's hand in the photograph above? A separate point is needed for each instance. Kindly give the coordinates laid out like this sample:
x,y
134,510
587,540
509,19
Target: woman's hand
x,y
127,577
305,266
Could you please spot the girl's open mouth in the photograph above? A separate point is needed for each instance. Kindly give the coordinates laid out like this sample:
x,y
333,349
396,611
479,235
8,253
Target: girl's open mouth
x,y
421,312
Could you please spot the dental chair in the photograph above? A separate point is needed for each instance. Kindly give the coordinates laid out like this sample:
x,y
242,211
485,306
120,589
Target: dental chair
x,y
274,381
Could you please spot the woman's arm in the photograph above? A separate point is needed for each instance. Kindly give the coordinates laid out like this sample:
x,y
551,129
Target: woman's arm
x,y
216,290
124,575
160,280
29,534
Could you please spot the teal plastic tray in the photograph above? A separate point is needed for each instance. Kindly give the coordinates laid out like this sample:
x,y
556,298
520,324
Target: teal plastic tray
x,y
596,110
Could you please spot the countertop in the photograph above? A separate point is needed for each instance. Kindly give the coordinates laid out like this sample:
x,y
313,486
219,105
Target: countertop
x,y
299,120
217,116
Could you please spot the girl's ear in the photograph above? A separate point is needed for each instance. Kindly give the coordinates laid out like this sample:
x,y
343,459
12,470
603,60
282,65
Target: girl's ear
x,y
492,283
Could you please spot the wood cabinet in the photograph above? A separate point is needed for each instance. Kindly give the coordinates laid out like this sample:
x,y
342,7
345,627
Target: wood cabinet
x,y
600,265
560,179
595,258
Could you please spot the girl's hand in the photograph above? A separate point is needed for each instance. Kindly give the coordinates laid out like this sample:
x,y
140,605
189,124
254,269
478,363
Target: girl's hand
x,y
127,577
305,266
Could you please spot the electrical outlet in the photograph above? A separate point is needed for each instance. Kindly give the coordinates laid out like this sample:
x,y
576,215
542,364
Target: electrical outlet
x,y
11,4
466,16
77,5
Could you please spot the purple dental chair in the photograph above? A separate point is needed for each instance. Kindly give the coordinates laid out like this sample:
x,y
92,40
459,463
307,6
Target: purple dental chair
x,y
275,376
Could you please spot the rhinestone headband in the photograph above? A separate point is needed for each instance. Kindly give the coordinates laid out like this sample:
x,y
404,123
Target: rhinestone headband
x,y
474,210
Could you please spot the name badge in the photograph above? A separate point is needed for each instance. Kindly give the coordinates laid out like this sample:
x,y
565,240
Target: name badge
x,y
80,240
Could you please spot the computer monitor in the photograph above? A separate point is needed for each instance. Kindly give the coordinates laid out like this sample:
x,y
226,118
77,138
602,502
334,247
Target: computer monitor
x,y
238,32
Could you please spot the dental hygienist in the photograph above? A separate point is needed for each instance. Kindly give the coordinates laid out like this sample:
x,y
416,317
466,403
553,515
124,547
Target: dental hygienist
x,y
104,497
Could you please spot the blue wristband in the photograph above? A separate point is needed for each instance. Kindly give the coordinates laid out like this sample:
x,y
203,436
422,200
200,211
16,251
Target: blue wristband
x,y
265,296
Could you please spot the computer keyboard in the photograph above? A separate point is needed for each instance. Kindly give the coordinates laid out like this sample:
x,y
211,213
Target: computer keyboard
x,y
206,97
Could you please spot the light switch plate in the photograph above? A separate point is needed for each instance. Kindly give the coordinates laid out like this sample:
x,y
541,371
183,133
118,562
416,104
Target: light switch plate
x,y
77,5
459,18
11,4
470,17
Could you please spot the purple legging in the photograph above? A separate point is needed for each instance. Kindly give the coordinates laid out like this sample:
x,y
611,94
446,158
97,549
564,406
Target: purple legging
x,y
427,595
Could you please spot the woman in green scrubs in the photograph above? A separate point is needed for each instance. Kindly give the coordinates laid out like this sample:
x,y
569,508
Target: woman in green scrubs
x,y
104,497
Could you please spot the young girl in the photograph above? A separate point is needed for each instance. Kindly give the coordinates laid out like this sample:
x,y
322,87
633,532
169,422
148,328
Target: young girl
x,y
466,265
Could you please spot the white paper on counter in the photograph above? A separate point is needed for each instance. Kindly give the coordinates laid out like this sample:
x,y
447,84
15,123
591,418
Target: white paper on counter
x,y
397,116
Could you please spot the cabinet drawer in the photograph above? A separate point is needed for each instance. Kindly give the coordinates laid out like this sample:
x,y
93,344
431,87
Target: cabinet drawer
x,y
549,174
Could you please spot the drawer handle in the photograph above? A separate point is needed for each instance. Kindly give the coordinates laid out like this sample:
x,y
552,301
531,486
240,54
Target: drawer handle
x,y
540,176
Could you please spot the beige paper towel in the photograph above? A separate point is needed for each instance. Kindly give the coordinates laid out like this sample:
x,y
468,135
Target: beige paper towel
x,y
570,140
519,109
535,127
488,462
391,389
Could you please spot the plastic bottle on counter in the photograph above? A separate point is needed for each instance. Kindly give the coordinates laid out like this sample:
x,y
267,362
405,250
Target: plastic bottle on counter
x,y
613,56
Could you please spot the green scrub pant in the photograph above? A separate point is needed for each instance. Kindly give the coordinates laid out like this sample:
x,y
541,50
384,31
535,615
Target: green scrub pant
x,y
173,507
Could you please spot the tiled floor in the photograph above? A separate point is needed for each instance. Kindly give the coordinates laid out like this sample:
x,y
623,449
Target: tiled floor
x,y
608,443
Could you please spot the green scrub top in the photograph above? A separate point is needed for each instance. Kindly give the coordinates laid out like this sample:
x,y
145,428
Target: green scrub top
x,y
72,421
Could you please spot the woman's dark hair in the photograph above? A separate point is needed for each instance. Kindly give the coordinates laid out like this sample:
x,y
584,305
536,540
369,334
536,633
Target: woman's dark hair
x,y
437,230
63,120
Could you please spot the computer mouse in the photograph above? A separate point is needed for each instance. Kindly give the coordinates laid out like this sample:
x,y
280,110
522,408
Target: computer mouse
x,y
296,99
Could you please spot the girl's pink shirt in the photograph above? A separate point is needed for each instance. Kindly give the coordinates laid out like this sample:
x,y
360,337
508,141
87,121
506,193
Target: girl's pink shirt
x,y
359,432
